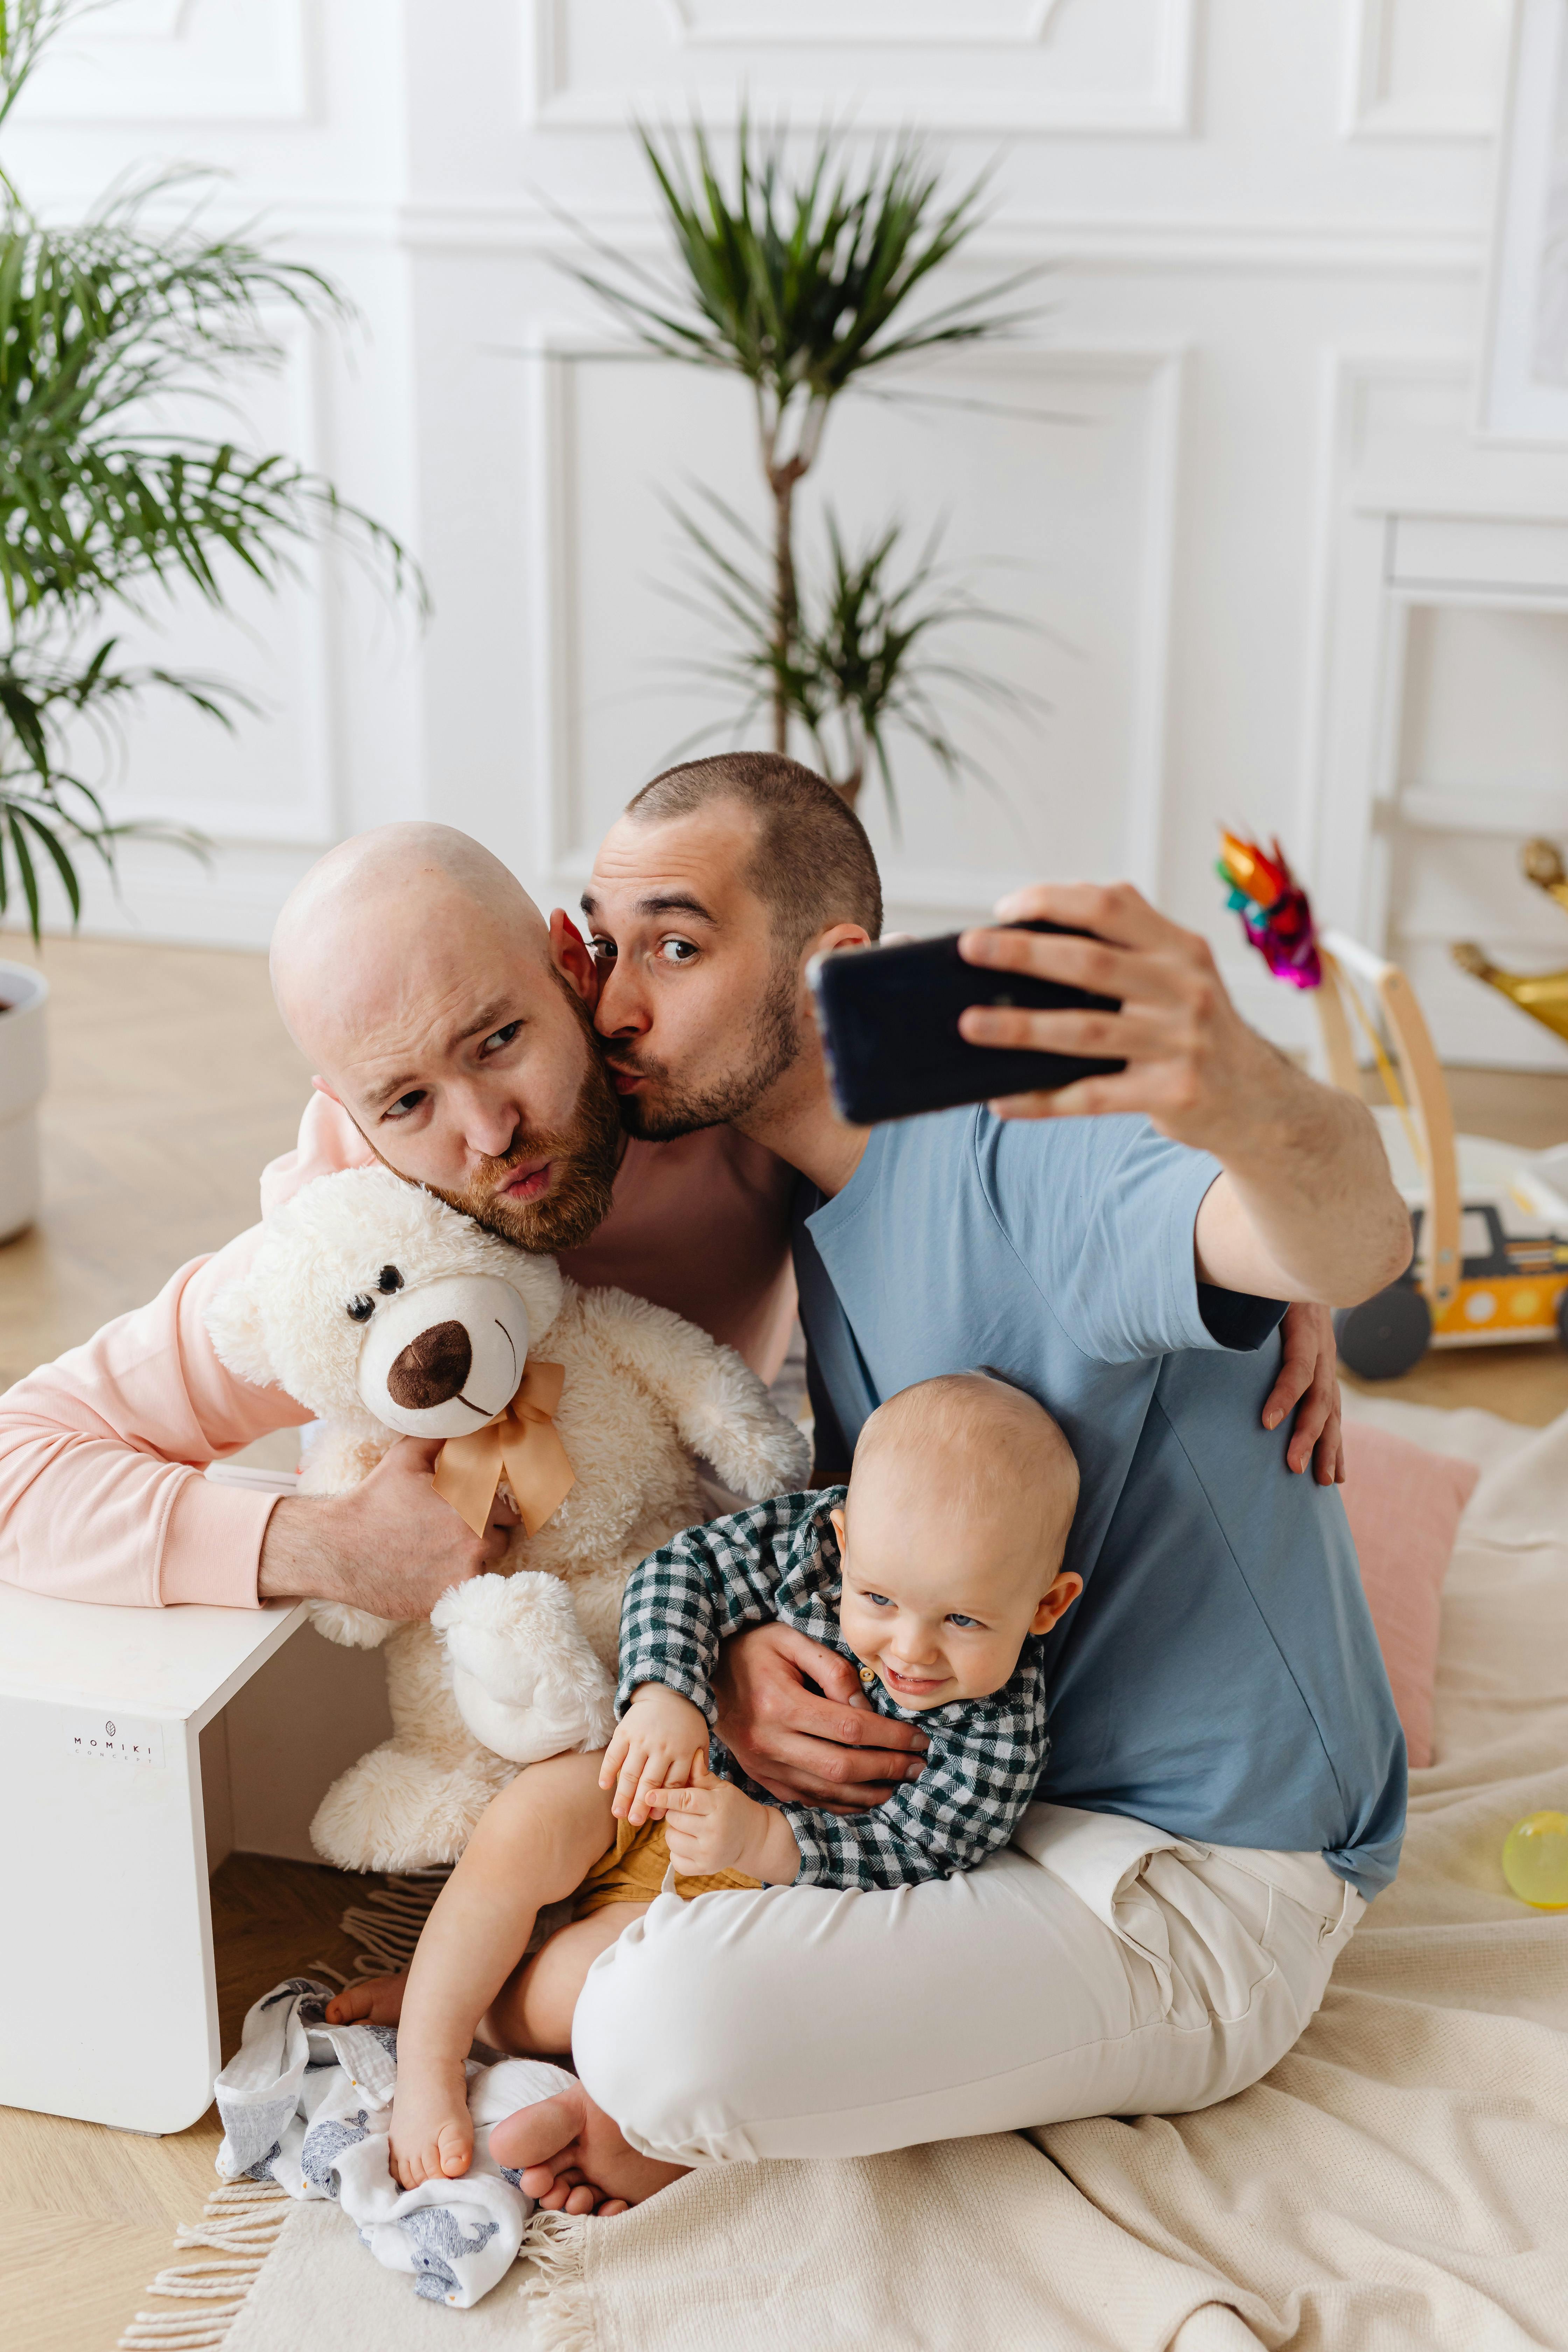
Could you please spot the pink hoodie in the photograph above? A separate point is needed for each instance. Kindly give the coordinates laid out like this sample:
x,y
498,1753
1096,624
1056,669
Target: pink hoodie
x,y
102,1496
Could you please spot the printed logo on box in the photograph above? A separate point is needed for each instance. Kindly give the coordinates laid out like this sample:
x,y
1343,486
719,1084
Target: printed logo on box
x,y
115,1739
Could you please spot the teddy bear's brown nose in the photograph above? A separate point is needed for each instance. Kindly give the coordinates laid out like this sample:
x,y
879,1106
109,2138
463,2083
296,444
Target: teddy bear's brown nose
x,y
431,1369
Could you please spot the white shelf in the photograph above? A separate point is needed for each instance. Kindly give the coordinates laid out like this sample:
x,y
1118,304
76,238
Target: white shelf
x,y
178,1664
1493,810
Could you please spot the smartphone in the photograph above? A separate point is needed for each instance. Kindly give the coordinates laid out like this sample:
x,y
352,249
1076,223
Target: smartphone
x,y
889,1022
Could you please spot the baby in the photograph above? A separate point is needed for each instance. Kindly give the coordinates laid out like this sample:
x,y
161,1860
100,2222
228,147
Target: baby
x,y
938,1569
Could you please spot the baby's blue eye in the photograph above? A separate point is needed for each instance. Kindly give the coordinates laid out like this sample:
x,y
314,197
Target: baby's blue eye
x,y
877,1600
955,1619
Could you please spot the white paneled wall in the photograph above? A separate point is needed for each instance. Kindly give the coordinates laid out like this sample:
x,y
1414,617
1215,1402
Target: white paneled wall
x,y
1267,225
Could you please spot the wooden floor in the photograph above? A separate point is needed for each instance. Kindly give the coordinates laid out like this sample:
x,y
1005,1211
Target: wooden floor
x,y
88,2215
172,1083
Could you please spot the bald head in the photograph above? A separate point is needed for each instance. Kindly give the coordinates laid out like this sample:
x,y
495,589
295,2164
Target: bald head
x,y
454,1027
981,1449
364,905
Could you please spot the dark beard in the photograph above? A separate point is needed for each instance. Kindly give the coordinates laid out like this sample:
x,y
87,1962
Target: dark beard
x,y
774,1046
585,1156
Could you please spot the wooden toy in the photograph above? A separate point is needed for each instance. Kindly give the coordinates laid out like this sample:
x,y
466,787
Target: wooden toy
x,y
1489,1220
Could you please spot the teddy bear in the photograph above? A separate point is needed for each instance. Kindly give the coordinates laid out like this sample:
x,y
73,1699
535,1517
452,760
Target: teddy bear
x,y
387,1313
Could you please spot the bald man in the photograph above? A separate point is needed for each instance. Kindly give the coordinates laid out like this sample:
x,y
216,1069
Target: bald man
x,y
451,1031
449,1027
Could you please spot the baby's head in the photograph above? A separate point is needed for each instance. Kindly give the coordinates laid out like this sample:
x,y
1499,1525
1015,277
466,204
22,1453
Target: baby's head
x,y
952,1531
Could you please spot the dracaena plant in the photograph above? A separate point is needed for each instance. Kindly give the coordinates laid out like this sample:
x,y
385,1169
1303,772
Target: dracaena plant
x,y
807,284
858,663
108,328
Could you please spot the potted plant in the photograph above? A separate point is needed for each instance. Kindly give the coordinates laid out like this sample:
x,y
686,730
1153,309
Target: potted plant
x,y
24,1073
803,285
107,326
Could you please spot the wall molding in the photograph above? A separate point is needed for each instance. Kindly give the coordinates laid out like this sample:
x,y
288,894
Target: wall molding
x,y
1372,109
1162,109
153,61
557,848
1152,241
311,819
845,30
1161,241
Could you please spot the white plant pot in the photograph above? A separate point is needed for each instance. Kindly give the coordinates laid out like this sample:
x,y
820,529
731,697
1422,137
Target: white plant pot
x,y
23,1075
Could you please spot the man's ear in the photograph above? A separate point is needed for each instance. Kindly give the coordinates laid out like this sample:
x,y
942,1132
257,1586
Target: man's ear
x,y
829,942
572,957
1058,1599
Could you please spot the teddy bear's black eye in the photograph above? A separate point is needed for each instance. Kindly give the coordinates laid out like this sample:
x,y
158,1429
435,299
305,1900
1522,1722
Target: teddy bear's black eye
x,y
361,1309
389,1279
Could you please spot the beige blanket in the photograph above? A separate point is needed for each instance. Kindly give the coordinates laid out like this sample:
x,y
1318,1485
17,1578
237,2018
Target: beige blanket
x,y
1400,2180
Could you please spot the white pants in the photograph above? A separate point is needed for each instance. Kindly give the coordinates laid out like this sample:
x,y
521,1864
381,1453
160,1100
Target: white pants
x,y
1094,1966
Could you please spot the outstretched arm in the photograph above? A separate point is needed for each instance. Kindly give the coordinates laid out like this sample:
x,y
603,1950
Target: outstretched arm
x,y
1306,1208
721,1408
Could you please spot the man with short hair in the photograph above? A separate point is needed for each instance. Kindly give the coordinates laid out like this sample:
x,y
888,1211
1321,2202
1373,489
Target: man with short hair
x,y
1113,1271
1225,1787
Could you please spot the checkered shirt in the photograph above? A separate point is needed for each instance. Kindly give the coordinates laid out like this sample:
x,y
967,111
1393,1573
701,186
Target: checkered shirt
x,y
780,1560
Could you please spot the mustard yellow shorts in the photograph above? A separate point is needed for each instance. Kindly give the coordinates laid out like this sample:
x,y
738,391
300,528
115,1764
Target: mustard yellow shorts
x,y
633,1869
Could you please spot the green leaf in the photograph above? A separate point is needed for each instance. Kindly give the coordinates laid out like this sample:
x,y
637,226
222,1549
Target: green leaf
x,y
853,669
57,852
796,282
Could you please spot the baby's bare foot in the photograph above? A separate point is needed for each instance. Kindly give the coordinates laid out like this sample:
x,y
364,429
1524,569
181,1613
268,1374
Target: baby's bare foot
x,y
432,2131
372,2001
573,2157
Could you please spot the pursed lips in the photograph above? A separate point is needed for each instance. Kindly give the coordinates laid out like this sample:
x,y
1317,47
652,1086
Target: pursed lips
x,y
527,1183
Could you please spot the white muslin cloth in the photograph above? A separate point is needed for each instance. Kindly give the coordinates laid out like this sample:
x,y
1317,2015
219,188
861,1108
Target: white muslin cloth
x,y
307,2105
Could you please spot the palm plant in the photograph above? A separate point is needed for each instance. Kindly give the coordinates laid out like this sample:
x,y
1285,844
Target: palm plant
x,y
803,286
106,330
858,662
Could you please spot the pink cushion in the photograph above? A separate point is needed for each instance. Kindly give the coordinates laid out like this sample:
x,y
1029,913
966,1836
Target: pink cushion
x,y
1403,1506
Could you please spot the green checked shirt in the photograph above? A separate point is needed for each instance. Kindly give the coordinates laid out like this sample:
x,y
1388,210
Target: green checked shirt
x,y
780,1560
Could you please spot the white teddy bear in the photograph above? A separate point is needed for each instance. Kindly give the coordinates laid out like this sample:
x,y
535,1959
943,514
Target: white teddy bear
x,y
387,1313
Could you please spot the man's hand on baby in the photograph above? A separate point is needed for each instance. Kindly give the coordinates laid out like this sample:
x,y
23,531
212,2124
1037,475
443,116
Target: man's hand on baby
x,y
655,1746
823,1747
712,1826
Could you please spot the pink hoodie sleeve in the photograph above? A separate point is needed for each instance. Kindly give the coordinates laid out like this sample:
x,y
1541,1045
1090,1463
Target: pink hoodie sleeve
x,y
329,1141
102,1496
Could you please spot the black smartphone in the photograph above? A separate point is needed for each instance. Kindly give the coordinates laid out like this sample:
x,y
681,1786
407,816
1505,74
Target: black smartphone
x,y
889,1022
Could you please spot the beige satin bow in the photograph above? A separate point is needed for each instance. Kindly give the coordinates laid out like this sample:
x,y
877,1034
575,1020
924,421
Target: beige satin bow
x,y
522,1442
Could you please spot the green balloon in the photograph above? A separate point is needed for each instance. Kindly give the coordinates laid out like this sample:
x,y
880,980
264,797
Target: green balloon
x,y
1535,1861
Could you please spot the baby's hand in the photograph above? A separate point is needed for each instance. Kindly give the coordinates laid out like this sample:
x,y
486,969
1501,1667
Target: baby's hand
x,y
655,1746
712,1826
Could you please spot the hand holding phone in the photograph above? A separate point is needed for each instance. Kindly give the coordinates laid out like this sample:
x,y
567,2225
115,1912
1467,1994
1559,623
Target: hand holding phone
x,y
889,1022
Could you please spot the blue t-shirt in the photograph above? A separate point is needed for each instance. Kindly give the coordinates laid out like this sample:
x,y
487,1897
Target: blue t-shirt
x,y
1219,1676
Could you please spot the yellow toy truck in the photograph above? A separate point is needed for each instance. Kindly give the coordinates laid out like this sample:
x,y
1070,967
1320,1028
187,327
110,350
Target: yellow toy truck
x,y
1490,1220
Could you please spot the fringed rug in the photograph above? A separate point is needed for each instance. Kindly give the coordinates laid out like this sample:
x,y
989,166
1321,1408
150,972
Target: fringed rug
x,y
244,2220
